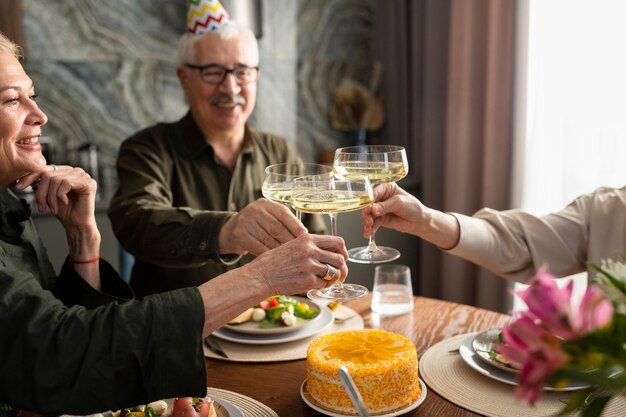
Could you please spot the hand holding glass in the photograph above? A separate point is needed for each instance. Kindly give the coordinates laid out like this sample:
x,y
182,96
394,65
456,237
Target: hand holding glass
x,y
381,163
330,196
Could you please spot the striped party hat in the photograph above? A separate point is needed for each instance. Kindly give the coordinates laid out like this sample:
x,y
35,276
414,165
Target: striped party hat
x,y
205,16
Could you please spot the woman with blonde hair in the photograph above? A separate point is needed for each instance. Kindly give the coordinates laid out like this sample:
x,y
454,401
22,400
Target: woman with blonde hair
x,y
77,342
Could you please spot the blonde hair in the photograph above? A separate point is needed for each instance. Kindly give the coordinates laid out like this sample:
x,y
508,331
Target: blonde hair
x,y
9,47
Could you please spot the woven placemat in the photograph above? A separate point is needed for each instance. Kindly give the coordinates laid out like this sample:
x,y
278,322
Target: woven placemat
x,y
448,375
240,352
248,406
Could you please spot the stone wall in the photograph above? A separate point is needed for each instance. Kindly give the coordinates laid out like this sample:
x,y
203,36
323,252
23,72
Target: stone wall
x,y
106,68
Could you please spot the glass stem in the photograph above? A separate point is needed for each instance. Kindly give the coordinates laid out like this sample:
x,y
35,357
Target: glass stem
x,y
371,246
299,215
337,287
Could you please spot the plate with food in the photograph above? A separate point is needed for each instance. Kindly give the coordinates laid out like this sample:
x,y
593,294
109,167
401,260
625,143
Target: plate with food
x,y
276,315
203,407
210,406
486,343
470,357
318,325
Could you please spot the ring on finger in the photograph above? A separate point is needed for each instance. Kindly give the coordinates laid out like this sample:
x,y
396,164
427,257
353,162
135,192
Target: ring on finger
x,y
331,271
54,167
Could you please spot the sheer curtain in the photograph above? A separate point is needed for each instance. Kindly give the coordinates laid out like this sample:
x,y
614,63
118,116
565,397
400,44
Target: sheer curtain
x,y
571,135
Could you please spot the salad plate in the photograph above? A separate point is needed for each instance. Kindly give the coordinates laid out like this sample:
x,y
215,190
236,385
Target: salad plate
x,y
485,346
400,412
253,327
470,357
325,319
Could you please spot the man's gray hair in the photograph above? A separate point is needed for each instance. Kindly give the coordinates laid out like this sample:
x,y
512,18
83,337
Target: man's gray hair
x,y
230,29
9,47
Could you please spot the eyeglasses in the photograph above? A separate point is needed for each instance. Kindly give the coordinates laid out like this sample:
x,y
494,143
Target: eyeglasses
x,y
216,74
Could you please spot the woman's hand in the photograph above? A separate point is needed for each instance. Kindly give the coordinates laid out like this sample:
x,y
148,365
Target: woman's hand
x,y
393,208
396,209
300,264
292,268
70,194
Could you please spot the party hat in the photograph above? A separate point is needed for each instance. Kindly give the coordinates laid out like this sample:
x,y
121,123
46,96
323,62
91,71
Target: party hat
x,y
205,16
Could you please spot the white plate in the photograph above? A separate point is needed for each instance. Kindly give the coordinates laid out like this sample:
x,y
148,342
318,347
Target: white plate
x,y
222,407
484,345
325,320
395,413
252,327
472,359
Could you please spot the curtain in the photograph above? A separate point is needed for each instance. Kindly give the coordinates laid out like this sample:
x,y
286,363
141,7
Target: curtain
x,y
571,139
448,90
11,20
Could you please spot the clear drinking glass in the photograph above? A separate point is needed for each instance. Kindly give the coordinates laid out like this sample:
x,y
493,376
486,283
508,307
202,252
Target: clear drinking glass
x,y
392,293
381,163
278,182
331,196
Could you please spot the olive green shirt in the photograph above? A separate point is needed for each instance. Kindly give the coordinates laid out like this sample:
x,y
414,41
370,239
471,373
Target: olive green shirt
x,y
175,194
66,348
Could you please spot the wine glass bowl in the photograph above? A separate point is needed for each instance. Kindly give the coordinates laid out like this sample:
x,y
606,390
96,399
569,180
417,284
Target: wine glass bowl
x,y
332,196
278,182
381,163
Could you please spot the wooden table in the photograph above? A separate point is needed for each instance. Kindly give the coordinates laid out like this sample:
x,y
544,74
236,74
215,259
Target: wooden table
x,y
277,384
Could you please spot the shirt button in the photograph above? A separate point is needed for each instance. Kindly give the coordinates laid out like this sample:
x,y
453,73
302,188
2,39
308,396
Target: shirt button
x,y
203,246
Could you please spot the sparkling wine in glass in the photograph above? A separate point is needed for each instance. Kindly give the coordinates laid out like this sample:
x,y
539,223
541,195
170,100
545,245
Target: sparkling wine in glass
x,y
278,182
381,163
332,196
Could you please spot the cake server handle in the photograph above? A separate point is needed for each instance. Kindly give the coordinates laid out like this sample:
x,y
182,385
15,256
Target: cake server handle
x,y
353,392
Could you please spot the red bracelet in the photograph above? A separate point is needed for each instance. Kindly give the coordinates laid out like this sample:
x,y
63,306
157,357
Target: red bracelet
x,y
88,261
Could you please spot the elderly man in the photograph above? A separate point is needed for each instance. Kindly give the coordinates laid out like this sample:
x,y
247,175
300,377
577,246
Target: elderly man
x,y
188,202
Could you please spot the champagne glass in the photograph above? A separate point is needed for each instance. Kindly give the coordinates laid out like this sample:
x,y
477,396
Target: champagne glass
x,y
332,196
278,182
381,163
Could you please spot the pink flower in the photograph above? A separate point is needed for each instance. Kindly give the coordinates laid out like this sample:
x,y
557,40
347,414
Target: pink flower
x,y
535,351
533,342
552,306
549,303
595,311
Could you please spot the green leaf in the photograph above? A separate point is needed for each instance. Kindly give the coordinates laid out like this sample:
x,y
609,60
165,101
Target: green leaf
x,y
595,407
616,282
576,402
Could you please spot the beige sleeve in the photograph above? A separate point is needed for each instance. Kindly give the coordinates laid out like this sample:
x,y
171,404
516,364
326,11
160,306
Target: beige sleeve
x,y
514,244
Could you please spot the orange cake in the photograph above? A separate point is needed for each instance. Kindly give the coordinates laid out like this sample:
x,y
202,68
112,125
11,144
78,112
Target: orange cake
x,y
382,364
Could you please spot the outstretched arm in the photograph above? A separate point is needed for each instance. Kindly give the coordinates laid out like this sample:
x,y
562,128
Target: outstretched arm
x,y
396,209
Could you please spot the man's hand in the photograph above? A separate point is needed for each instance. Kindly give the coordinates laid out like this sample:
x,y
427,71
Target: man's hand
x,y
262,225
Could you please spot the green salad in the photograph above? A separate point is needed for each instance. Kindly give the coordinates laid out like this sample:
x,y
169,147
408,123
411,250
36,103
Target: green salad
x,y
281,310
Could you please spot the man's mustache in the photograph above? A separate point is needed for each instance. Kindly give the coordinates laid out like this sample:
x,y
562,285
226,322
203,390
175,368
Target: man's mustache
x,y
225,100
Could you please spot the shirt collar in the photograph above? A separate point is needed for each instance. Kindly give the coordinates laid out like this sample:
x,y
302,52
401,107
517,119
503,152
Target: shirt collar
x,y
196,143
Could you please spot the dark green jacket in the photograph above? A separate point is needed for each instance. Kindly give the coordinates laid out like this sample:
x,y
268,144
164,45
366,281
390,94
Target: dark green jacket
x,y
175,194
67,348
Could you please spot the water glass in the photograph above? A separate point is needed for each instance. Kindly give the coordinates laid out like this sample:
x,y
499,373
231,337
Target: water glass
x,y
393,293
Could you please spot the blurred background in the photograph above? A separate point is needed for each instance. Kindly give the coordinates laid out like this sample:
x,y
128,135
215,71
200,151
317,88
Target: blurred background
x,y
499,103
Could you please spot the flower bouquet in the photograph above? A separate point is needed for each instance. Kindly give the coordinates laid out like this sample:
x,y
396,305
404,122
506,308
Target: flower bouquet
x,y
555,342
